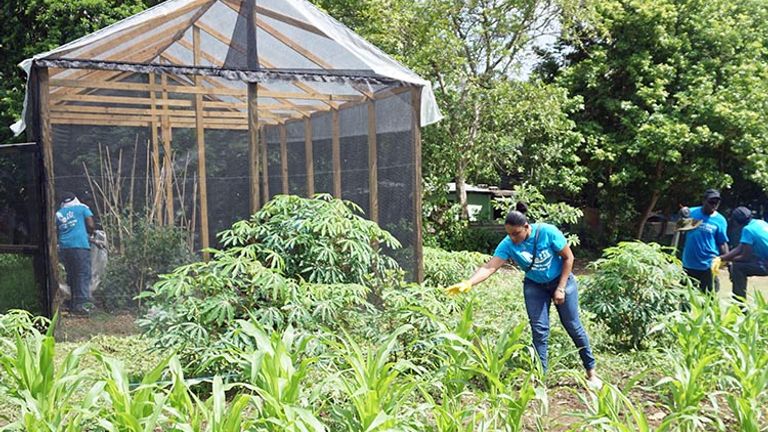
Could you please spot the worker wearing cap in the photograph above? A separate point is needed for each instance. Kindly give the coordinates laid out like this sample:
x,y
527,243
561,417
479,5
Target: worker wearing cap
x,y
750,257
74,222
705,242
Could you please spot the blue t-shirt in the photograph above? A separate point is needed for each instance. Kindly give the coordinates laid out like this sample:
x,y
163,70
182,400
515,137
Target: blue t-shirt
x,y
755,234
70,222
548,265
702,244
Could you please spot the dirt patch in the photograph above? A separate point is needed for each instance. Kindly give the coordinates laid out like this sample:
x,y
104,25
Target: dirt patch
x,y
74,328
564,401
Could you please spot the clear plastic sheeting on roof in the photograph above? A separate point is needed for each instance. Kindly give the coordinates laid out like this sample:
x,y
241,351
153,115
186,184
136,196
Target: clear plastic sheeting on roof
x,y
285,36
196,112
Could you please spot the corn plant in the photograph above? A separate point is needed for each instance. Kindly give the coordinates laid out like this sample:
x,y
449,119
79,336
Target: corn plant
x,y
188,413
452,414
455,358
132,410
610,410
49,398
688,386
372,383
488,358
515,405
275,371
747,371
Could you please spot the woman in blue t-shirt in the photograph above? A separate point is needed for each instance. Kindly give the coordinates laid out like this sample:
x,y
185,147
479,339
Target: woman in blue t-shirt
x,y
542,252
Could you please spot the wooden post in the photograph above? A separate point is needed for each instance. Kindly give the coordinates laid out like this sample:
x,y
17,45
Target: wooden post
x,y
309,156
373,170
336,153
264,164
284,159
46,143
253,145
418,251
167,161
202,177
157,202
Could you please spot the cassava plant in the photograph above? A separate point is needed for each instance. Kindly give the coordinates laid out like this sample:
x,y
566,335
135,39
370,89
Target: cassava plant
x,y
443,268
194,309
634,285
319,240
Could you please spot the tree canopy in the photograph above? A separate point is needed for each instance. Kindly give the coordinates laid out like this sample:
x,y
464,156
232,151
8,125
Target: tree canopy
x,y
641,106
674,95
34,26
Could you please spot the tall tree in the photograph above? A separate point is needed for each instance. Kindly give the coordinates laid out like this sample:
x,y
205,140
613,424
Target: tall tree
x,y
34,26
469,50
674,98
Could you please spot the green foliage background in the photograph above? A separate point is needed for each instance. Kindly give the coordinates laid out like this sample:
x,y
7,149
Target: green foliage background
x,y
641,106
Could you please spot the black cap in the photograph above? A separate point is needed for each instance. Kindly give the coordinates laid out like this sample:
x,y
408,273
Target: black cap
x,y
711,193
741,215
67,197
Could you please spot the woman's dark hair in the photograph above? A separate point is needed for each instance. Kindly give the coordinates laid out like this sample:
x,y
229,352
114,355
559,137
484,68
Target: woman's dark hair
x,y
517,216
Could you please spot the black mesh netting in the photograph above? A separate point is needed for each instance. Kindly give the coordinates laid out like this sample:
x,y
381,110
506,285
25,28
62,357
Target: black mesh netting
x,y
105,152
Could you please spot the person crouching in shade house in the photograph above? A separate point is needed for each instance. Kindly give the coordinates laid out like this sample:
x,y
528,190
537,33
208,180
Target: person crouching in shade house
x,y
74,223
750,257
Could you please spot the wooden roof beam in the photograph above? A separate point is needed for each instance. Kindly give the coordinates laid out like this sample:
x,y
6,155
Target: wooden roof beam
x,y
139,30
264,62
236,5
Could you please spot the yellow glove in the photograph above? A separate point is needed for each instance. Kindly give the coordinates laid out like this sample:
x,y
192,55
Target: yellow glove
x,y
716,264
461,287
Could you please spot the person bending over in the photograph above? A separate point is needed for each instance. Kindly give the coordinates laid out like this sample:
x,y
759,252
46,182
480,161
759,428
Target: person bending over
x,y
543,253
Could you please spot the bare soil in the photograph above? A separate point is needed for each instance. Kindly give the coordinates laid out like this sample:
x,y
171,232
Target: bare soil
x,y
72,328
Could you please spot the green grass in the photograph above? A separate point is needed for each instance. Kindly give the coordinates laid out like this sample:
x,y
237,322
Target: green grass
x,y
18,289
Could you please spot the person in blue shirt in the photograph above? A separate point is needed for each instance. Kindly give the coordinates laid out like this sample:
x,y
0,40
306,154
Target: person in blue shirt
x,y
74,223
705,242
750,257
543,253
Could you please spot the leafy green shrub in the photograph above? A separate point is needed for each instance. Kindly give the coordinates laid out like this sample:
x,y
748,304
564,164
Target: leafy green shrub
x,y
17,322
634,285
320,240
443,268
262,276
150,251
193,309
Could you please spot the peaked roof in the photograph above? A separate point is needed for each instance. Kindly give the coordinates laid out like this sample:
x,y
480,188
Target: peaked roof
x,y
295,42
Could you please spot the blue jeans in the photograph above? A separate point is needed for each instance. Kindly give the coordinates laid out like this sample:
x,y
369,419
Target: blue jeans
x,y
538,297
77,262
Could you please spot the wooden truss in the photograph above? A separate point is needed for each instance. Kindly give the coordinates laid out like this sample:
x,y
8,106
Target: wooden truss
x,y
163,102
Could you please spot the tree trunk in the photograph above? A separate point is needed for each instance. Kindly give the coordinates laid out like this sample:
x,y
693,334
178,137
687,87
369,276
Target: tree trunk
x,y
461,169
461,192
654,198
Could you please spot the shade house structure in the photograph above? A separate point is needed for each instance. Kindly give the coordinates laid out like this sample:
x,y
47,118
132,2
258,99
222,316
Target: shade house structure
x,y
197,112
